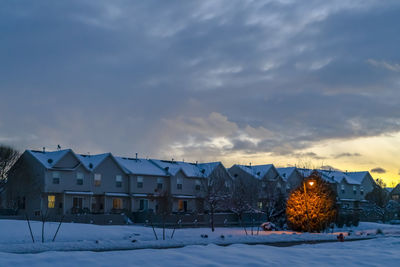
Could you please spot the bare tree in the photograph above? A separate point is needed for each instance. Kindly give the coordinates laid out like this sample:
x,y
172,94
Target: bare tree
x,y
164,201
216,192
8,157
273,202
244,197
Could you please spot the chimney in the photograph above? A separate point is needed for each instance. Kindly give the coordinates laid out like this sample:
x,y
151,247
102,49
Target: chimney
x,y
136,156
44,150
196,162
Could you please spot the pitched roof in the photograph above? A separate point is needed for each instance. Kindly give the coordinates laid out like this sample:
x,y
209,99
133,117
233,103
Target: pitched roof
x,y
358,176
92,161
208,167
330,176
189,169
257,171
49,159
286,172
140,166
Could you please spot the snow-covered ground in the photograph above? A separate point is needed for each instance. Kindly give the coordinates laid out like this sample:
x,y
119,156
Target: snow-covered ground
x,y
15,237
375,252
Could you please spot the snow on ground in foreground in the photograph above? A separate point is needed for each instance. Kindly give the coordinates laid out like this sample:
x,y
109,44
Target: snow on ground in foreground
x,y
375,252
15,237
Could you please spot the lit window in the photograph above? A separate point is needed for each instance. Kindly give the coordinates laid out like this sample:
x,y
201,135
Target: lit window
x,y
118,181
278,185
361,190
79,178
342,187
260,205
97,179
51,201
182,205
179,182
56,177
160,182
117,203
140,182
354,189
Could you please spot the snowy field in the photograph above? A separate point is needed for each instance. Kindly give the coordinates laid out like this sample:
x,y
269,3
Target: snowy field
x,y
15,237
375,252
89,245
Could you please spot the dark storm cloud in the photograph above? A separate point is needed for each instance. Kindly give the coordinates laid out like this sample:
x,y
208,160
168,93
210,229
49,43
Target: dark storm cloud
x,y
378,170
204,78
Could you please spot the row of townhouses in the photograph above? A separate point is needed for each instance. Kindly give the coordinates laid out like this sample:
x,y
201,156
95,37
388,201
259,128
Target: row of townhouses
x,y
350,187
63,182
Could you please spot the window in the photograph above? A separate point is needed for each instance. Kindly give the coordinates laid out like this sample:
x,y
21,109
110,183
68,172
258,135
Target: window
x,y
118,181
79,178
97,179
77,202
354,189
278,185
287,188
197,185
260,205
342,188
160,182
51,201
182,205
140,182
361,190
143,204
263,184
117,203
179,182
56,177
395,197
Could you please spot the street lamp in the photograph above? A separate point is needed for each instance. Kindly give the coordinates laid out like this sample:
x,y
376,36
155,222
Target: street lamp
x,y
311,183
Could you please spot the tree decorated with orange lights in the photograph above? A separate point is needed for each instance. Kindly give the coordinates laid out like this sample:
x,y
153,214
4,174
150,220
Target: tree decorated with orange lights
x,y
311,207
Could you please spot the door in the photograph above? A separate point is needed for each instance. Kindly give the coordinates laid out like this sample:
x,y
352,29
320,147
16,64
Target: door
x,y
78,202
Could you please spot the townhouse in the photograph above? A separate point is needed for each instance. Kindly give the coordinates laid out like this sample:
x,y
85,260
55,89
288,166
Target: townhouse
x,y
188,182
62,182
266,178
350,187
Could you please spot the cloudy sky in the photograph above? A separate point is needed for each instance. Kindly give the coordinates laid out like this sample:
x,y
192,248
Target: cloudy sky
x,y
286,82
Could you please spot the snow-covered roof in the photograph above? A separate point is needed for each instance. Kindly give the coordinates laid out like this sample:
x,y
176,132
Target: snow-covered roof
x,y
140,166
78,193
258,171
189,169
49,159
286,172
358,176
183,196
208,167
139,195
92,161
116,194
330,175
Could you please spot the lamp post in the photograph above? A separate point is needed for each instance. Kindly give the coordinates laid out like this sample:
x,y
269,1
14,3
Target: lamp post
x,y
311,183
